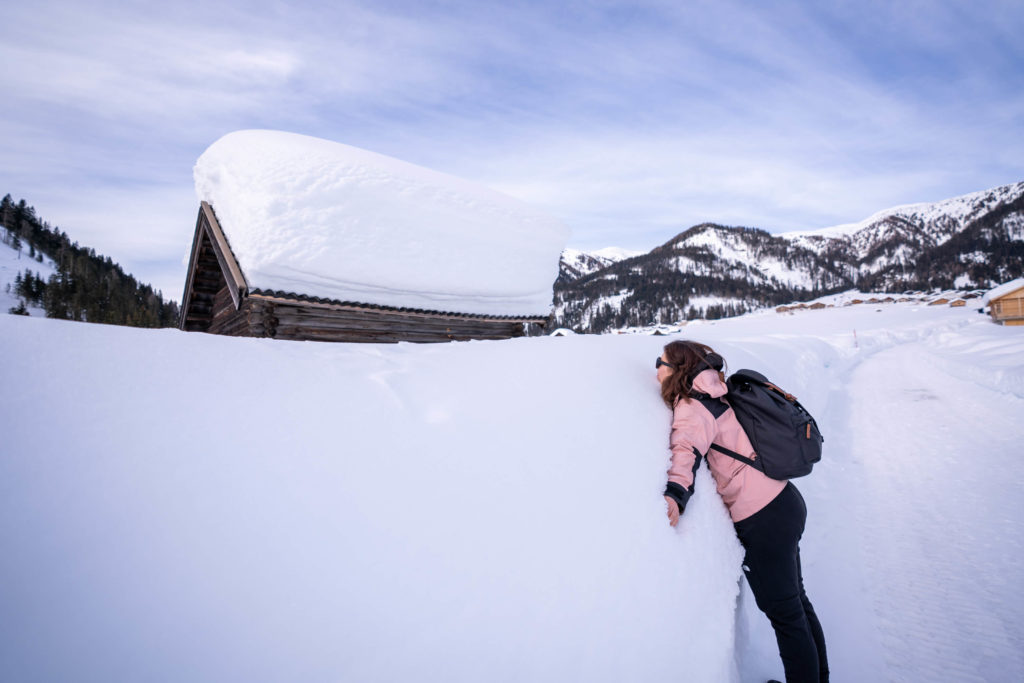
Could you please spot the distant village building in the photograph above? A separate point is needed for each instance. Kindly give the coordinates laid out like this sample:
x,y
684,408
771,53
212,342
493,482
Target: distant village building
x,y
305,239
817,306
957,303
938,302
1006,303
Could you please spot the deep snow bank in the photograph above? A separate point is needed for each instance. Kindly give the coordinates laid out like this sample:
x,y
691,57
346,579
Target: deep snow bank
x,y
204,508
315,217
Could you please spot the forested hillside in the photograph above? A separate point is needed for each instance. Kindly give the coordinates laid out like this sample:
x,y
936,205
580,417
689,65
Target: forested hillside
x,y
86,286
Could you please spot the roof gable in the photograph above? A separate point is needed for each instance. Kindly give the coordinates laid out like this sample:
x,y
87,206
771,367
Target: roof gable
x,y
1002,290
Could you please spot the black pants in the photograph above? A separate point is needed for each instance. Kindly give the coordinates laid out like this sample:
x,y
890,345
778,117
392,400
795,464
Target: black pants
x,y
772,565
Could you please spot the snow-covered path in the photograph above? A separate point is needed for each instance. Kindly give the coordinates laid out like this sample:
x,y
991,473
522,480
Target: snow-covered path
x,y
938,485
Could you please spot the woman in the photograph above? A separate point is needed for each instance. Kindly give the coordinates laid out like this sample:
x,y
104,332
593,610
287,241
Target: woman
x,y
768,514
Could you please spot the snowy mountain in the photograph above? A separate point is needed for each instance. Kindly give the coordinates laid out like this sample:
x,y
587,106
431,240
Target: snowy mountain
x,y
254,510
575,264
712,271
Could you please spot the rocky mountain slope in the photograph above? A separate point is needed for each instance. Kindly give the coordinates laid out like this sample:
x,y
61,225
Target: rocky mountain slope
x,y
713,271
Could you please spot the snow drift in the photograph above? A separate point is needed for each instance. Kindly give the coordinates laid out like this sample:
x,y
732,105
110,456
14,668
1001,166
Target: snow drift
x,y
203,508
319,218
191,507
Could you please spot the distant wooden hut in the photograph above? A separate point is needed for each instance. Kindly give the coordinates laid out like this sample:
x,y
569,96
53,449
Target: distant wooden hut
x,y
782,309
888,300
938,302
217,300
1006,303
817,306
957,303
854,302
874,300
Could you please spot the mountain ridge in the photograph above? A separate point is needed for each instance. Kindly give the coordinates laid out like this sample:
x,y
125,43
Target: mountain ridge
x,y
712,271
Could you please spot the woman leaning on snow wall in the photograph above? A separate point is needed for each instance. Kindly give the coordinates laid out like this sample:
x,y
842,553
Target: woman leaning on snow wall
x,y
768,514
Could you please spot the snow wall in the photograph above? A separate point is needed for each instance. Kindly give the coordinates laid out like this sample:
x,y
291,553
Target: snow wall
x,y
310,216
180,506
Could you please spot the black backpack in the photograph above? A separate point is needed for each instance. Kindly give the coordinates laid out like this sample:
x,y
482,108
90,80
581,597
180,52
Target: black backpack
x,y
782,432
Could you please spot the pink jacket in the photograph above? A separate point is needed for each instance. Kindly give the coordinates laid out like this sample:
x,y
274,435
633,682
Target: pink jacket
x,y
744,489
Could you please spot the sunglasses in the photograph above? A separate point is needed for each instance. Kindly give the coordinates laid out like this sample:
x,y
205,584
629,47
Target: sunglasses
x,y
658,363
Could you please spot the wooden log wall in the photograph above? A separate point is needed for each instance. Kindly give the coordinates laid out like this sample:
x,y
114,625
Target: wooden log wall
x,y
298,321
207,283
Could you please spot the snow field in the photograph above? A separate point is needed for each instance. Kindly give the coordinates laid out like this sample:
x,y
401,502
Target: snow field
x,y
492,510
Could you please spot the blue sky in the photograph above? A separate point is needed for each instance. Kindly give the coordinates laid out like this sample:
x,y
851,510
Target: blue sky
x,y
628,121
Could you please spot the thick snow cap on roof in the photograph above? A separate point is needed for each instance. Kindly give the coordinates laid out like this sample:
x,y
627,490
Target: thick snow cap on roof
x,y
319,218
1002,290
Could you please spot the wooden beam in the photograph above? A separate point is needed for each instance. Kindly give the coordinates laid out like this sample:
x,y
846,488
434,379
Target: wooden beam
x,y
386,311
225,257
193,260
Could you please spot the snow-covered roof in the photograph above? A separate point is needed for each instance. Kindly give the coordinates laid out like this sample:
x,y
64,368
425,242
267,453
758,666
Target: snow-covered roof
x,y
318,218
1002,290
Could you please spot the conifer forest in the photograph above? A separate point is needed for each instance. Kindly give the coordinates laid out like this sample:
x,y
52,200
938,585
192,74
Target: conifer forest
x,y
86,286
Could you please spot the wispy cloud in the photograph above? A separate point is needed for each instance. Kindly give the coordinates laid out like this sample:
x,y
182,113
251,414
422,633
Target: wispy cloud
x,y
631,121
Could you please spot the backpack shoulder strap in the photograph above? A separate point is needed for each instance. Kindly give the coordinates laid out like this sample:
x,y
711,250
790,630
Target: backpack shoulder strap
x,y
732,454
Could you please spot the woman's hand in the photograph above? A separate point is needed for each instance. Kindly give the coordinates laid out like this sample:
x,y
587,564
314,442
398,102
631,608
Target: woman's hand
x,y
673,511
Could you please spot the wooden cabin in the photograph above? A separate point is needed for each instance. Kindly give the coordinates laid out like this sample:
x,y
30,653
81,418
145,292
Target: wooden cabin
x,y
1006,303
957,303
218,300
938,302
782,309
817,306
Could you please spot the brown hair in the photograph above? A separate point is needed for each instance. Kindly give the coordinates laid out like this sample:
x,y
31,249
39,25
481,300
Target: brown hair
x,y
687,357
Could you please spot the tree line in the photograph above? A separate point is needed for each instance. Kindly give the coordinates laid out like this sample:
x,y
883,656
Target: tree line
x,y
87,286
